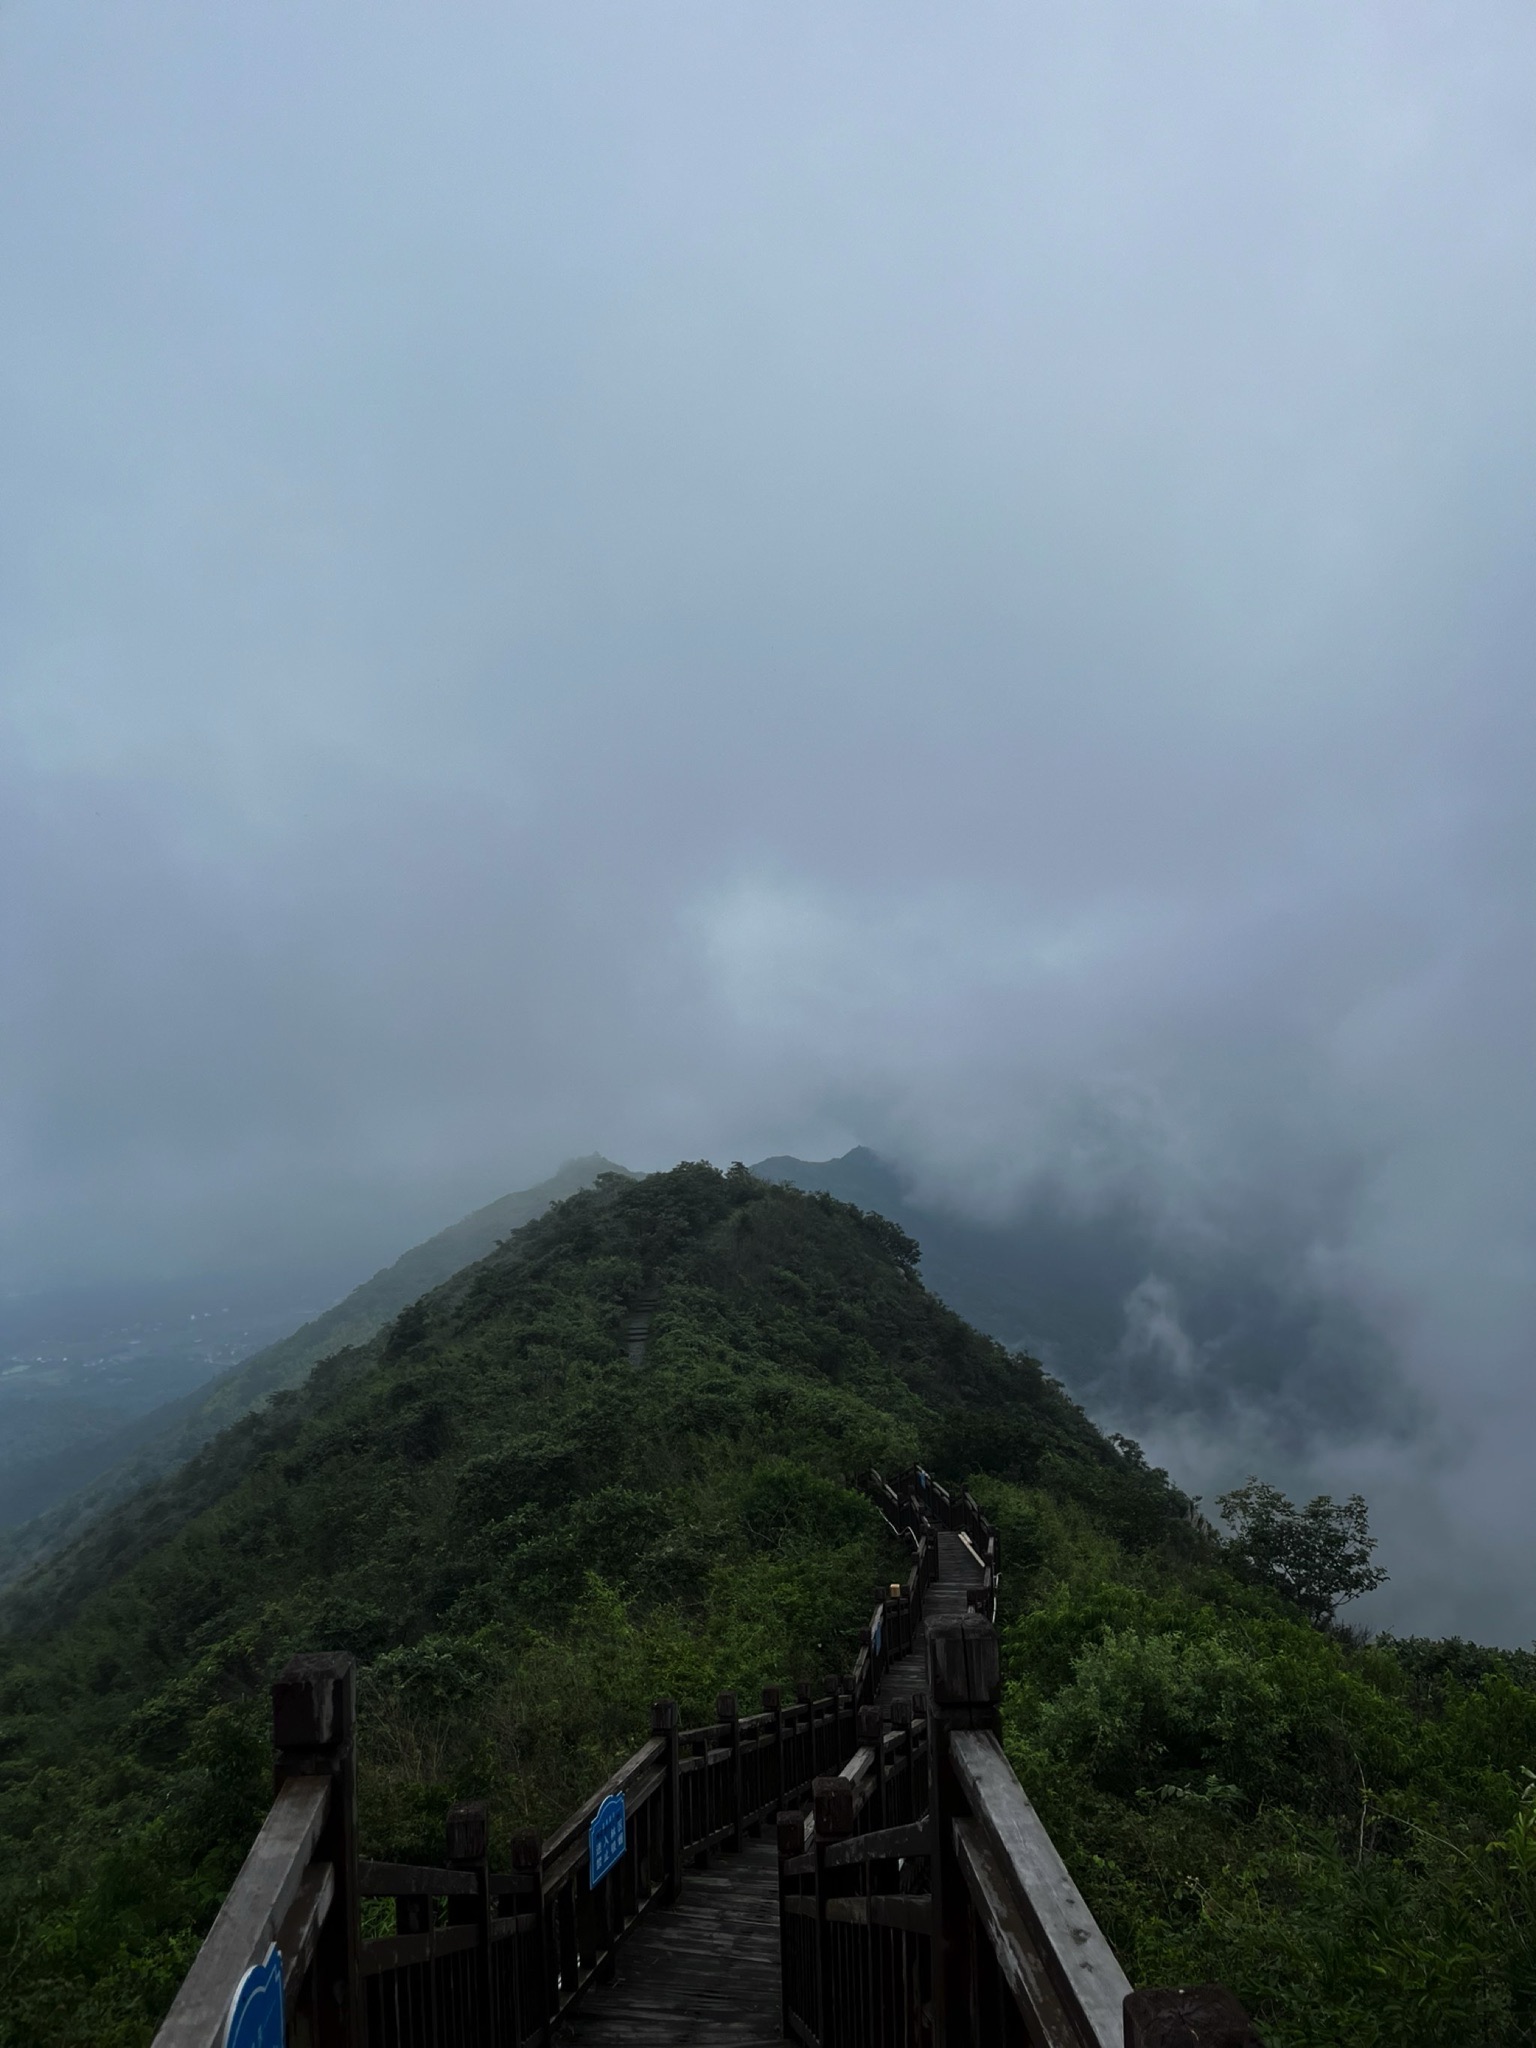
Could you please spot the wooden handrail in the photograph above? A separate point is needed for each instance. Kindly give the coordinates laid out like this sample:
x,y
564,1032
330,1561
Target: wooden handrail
x,y
1003,1945
1007,1845
251,1917
647,1754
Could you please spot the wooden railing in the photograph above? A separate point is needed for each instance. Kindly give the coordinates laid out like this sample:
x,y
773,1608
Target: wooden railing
x,y
954,1923
481,1956
853,1944
916,1506
298,1890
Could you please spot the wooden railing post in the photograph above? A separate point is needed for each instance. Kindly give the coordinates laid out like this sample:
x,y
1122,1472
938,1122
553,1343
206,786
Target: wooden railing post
x,y
728,1711
534,1999
314,1732
834,1821
1206,2017
964,1691
468,1847
664,1724
871,1733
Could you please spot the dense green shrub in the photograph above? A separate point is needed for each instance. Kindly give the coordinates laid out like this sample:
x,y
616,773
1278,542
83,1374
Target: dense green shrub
x,y
1246,1797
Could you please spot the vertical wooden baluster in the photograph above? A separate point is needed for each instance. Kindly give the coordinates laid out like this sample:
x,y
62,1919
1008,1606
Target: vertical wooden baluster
x,y
728,1711
533,2002
468,1848
776,1794
664,1724
791,1839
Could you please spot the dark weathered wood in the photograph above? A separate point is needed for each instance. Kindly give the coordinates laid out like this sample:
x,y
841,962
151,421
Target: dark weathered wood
x,y
300,1931
703,1975
572,1831
834,1807
409,1880
911,1911
965,1675
1080,1962
538,2002
726,1712
1208,2016
395,1951
467,1843
914,1840
304,1703
250,1917
505,1925
1012,1942
334,2002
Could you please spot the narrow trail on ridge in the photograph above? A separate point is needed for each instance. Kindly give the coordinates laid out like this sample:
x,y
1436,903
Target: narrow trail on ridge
x,y
704,1973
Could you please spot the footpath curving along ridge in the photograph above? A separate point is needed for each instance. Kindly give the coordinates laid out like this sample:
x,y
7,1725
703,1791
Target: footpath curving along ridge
x,y
906,1894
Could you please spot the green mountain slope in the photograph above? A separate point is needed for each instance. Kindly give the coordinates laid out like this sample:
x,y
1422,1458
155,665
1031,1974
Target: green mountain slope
x,y
166,1438
525,1538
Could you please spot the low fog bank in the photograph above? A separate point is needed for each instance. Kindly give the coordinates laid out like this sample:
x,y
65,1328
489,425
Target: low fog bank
x,y
1229,1345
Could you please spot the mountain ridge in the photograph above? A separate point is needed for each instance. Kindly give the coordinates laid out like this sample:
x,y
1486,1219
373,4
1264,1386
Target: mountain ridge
x,y
168,1436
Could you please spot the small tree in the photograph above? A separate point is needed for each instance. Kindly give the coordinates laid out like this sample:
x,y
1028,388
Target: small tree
x,y
1318,1556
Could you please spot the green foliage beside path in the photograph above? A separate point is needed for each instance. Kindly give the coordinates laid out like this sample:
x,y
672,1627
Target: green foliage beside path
x,y
1346,1835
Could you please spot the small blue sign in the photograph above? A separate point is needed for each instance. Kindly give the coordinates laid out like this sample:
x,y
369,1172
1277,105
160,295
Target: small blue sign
x,y
256,2010
874,1641
605,1838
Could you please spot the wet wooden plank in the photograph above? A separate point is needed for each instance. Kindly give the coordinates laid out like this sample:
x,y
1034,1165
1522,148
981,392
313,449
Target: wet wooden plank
x,y
703,1971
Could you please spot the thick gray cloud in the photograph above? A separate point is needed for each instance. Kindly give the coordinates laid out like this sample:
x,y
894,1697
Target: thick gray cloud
x,y
723,579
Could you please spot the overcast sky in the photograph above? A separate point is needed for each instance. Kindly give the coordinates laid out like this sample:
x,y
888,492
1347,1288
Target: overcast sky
x,y
715,579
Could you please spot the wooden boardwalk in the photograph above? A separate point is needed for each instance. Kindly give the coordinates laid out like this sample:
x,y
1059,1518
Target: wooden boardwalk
x,y
944,1601
701,1974
705,1972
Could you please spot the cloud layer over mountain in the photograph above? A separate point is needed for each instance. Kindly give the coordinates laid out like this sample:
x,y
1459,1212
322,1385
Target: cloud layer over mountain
x,y
734,579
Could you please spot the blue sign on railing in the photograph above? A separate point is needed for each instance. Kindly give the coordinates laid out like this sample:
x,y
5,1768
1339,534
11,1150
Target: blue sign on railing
x,y
874,1641
605,1838
256,2010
